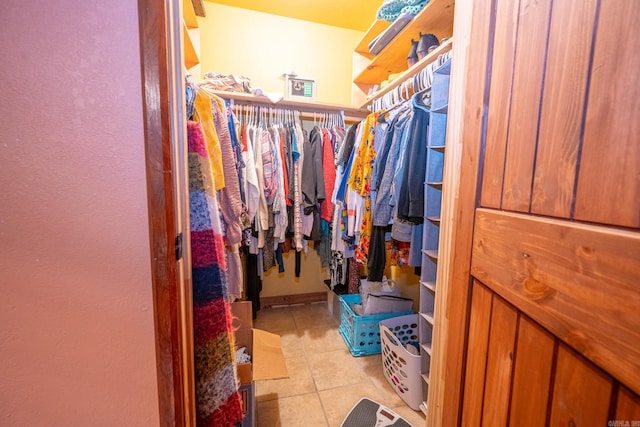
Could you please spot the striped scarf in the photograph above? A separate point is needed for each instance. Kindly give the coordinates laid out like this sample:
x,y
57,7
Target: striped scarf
x,y
218,402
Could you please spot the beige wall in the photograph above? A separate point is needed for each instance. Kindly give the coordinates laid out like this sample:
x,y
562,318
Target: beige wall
x,y
76,311
263,47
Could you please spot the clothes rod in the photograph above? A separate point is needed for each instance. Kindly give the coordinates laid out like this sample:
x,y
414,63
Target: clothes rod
x,y
306,108
407,74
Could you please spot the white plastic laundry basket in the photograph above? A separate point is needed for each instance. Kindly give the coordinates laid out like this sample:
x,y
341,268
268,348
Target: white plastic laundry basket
x,y
402,368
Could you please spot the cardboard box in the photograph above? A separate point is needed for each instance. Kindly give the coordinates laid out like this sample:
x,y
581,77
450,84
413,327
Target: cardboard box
x,y
267,360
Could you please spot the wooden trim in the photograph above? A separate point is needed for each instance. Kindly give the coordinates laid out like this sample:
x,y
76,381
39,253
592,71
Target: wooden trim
x,y
579,281
161,198
473,30
451,184
266,302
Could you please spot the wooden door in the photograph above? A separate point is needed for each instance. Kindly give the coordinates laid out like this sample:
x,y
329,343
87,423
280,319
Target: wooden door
x,y
543,290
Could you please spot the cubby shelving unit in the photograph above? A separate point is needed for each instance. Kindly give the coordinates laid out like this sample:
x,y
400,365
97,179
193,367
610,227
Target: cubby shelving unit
x,y
431,229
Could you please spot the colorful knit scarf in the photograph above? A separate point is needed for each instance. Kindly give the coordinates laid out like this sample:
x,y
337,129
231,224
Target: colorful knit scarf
x,y
218,402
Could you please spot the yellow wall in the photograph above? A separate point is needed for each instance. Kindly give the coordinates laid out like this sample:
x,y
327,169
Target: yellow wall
x,y
263,47
311,277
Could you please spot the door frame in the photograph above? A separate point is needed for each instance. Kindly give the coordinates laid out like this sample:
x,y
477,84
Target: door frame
x,y
160,24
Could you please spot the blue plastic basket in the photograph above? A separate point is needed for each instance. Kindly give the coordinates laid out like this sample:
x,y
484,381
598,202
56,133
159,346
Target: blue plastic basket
x,y
361,333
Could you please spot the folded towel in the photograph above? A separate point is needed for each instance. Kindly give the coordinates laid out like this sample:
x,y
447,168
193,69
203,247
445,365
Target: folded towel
x,y
391,9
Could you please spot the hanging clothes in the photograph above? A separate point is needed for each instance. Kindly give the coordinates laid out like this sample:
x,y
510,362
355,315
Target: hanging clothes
x,y
328,174
204,114
360,182
313,189
230,200
411,197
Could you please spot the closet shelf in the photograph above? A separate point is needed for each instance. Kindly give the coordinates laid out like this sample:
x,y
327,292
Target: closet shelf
x,y
425,378
435,220
435,184
351,113
371,79
191,58
189,14
374,31
428,317
429,285
436,18
433,254
426,347
439,148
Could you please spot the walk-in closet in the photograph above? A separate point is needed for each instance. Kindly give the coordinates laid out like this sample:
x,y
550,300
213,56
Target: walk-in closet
x,y
299,214
373,207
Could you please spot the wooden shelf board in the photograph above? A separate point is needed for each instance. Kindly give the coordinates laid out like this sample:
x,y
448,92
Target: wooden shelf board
x,y
378,26
369,79
350,112
439,148
189,14
429,285
436,18
191,58
435,184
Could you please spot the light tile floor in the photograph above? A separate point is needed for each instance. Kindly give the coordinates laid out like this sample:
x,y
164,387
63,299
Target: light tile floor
x,y
325,380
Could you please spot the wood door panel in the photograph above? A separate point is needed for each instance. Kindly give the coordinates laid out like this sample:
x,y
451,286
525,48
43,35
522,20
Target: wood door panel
x,y
500,355
525,103
563,104
581,393
532,375
499,102
481,301
609,180
580,282
628,406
